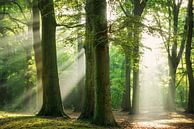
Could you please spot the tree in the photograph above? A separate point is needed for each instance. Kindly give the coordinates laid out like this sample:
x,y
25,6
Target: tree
x,y
52,104
88,105
102,112
37,49
188,58
127,47
174,55
138,8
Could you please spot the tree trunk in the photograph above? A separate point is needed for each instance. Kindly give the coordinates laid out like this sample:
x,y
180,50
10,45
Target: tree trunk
x,y
52,104
188,58
88,105
37,52
138,9
80,71
172,85
103,110
126,103
136,88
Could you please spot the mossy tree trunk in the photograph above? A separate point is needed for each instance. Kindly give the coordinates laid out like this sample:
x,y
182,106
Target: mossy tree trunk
x,y
88,104
52,104
188,58
103,111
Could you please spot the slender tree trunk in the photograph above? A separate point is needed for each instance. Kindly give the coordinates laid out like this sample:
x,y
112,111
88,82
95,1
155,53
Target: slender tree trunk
x,y
37,52
80,72
52,104
88,105
126,104
188,59
138,9
103,110
174,56
136,86
172,86
28,49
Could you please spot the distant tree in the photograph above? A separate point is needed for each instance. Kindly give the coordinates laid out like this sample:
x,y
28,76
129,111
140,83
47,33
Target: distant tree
x,y
175,53
188,57
88,104
37,49
138,8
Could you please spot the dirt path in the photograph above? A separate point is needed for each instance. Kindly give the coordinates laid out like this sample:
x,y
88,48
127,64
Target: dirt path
x,y
155,120
142,121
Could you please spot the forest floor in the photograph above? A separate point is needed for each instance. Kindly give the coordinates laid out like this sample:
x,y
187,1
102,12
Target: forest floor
x,y
171,120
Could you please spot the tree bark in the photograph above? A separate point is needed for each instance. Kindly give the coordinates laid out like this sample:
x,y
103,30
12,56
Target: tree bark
x,y
136,86
37,51
172,86
88,105
188,58
103,111
52,104
126,103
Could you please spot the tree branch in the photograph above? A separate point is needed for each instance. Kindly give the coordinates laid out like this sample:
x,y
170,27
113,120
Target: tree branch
x,y
12,18
17,4
180,53
69,26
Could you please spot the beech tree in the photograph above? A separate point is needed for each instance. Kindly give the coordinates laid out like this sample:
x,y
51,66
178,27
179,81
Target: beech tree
x,y
102,112
88,105
52,104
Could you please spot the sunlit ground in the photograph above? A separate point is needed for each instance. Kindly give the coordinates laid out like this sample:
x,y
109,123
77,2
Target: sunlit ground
x,y
125,121
156,120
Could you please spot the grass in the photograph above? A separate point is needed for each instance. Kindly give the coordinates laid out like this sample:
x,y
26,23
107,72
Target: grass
x,y
22,121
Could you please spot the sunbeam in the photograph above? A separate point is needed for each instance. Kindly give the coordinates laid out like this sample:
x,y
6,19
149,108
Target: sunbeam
x,y
71,73
153,71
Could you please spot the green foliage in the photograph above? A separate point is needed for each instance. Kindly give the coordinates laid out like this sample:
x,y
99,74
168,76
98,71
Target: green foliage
x,y
117,76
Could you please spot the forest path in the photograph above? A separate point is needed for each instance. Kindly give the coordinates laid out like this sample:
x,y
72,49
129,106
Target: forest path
x,y
162,120
156,120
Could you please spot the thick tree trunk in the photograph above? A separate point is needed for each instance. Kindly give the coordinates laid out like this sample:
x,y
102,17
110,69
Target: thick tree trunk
x,y
88,105
188,59
126,103
37,52
103,111
52,104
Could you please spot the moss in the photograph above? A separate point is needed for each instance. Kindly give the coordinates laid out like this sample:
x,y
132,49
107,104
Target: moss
x,y
18,121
